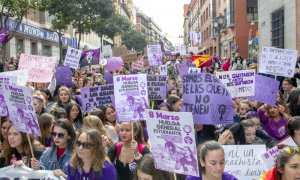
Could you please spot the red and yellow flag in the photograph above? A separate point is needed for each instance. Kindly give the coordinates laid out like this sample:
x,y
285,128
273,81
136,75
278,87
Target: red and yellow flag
x,y
201,60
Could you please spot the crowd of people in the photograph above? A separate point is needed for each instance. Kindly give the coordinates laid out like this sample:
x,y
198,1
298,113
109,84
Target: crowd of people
x,y
94,145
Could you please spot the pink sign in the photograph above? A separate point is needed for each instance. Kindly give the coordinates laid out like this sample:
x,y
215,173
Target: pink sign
x,y
40,68
138,65
114,63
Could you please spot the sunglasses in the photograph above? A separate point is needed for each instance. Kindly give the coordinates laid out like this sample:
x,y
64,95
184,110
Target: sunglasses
x,y
291,150
84,145
59,135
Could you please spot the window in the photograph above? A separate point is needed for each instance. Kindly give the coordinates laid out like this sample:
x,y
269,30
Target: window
x,y
230,12
20,47
34,48
47,50
277,28
251,10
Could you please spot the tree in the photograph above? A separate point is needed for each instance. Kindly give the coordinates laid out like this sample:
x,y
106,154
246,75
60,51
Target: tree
x,y
134,40
16,9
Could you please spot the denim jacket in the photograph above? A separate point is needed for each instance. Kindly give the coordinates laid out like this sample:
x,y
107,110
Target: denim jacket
x,y
48,162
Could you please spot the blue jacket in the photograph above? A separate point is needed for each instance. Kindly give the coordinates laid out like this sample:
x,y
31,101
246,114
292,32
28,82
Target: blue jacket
x,y
48,162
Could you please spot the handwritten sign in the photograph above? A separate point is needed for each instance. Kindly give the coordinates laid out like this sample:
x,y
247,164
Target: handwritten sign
x,y
118,51
265,89
243,161
154,55
207,98
157,87
131,97
127,58
22,76
239,83
5,80
72,58
96,96
114,63
40,68
280,62
138,65
172,137
21,109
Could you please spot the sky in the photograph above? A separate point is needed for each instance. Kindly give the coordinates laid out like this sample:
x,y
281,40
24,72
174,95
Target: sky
x,y
167,14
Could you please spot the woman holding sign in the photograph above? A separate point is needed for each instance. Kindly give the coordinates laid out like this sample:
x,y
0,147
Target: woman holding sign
x,y
212,161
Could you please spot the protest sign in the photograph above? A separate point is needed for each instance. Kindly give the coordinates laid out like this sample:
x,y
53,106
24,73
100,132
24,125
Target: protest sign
x,y
207,98
127,58
40,68
181,50
131,97
108,77
114,63
154,55
265,89
269,156
193,49
118,51
279,62
194,70
106,51
157,87
163,70
243,161
182,68
172,139
22,76
96,96
89,57
239,83
4,80
138,65
72,58
21,109
23,172
63,76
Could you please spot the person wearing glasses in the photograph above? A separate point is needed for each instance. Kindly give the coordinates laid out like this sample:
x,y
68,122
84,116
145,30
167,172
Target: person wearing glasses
x,y
287,165
89,160
56,156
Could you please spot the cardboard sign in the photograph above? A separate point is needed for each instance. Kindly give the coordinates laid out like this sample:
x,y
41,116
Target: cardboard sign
x,y
138,65
119,51
127,58
72,58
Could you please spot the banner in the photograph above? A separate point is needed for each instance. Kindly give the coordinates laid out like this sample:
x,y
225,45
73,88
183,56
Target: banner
x,y
106,51
138,65
265,89
157,87
114,63
201,60
72,58
5,80
89,57
181,50
21,109
207,98
154,55
239,83
63,76
24,172
243,161
22,76
4,33
40,68
127,58
182,69
270,156
279,62
163,70
173,143
131,97
96,96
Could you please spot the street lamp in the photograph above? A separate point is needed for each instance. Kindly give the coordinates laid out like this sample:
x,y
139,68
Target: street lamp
x,y
218,24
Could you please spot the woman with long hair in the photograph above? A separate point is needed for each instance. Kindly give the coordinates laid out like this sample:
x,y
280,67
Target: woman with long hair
x,y
110,116
49,100
89,161
294,102
175,102
126,153
63,98
56,156
38,103
75,115
46,122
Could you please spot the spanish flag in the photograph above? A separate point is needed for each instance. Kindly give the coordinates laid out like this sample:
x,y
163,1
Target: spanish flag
x,y
201,60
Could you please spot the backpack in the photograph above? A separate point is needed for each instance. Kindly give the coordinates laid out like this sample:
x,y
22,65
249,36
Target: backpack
x,y
119,147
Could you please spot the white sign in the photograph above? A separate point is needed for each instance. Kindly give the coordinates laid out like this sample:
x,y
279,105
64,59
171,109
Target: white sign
x,y
269,156
279,62
172,141
163,70
194,70
107,51
239,83
22,76
181,50
243,161
193,49
72,58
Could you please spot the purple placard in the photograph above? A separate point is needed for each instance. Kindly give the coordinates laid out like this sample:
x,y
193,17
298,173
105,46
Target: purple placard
x,y
182,69
21,110
96,96
265,89
114,63
109,78
4,35
63,76
157,87
207,98
154,55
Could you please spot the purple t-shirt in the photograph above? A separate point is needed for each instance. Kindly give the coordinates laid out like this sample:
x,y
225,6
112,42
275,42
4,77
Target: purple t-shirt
x,y
276,130
225,176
